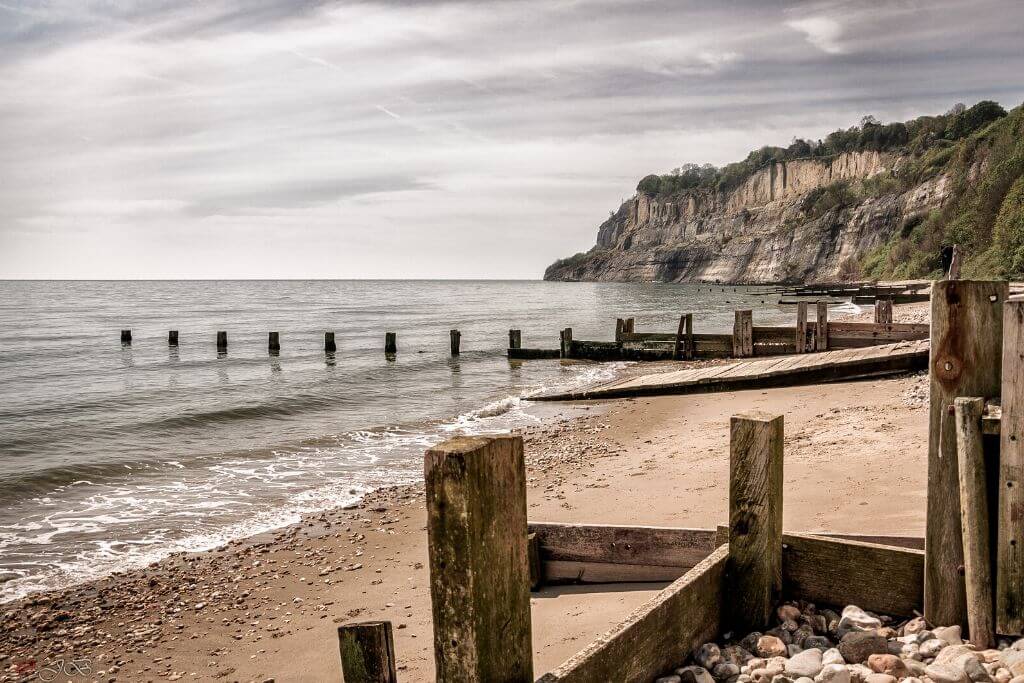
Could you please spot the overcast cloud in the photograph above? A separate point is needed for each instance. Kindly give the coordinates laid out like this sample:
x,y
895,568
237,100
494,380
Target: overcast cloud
x,y
275,138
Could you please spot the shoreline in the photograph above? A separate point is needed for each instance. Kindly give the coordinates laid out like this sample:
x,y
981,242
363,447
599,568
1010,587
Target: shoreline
x,y
264,607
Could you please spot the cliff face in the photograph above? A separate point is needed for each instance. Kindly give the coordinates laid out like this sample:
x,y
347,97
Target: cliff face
x,y
771,228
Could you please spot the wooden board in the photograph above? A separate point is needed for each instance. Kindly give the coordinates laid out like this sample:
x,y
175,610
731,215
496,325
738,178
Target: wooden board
x,y
624,545
658,636
1010,522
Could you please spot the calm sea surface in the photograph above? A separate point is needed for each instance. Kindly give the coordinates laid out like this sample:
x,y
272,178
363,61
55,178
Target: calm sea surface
x,y
112,457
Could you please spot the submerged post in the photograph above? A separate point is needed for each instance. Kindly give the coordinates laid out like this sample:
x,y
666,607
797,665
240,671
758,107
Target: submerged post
x,y
974,521
566,343
515,339
367,652
456,341
479,567
801,327
329,345
754,572
965,360
222,341
126,337
274,342
743,334
390,343
1010,535
620,327
821,328
172,338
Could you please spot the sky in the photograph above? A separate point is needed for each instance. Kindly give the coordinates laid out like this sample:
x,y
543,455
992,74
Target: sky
x,y
316,139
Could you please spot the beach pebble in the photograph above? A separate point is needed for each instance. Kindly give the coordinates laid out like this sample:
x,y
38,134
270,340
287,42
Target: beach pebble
x,y
945,673
708,656
888,664
668,679
854,618
770,646
857,646
805,664
818,642
723,671
736,654
949,634
915,625
858,672
787,613
833,673
879,678
1002,675
832,656
930,648
1013,660
694,674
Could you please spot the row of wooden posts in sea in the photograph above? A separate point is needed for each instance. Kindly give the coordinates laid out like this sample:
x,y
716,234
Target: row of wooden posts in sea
x,y
485,556
746,339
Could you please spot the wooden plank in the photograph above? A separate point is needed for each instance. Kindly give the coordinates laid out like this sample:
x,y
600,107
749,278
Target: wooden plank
x,y
754,575
688,347
536,566
1010,535
614,544
367,652
568,571
974,521
965,360
677,349
879,578
743,334
479,566
821,327
659,635
801,327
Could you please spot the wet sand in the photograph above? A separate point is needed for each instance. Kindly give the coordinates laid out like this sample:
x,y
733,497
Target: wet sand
x,y
267,608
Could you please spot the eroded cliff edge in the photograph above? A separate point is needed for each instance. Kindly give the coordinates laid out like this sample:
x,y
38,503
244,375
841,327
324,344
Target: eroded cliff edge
x,y
779,225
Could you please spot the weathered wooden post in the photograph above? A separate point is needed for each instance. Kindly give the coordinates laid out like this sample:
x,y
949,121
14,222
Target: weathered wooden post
x,y
479,567
274,342
390,343
456,341
821,328
515,339
620,327
329,345
754,570
743,334
367,652
172,338
883,311
630,326
965,360
974,521
222,341
684,338
1010,535
801,327
536,566
126,337
566,343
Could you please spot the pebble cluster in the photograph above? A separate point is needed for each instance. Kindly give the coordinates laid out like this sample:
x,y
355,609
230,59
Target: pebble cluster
x,y
812,645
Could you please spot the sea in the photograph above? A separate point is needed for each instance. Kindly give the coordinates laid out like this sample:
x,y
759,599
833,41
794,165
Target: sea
x,y
113,456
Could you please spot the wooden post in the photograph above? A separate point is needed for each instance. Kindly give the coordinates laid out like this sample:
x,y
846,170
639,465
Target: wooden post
x,y
620,327
515,339
690,350
536,566
801,327
367,652
274,342
566,343
222,341
677,348
390,343
479,567
1010,535
974,521
883,311
172,338
743,334
630,326
126,337
965,360
456,341
329,345
754,573
821,328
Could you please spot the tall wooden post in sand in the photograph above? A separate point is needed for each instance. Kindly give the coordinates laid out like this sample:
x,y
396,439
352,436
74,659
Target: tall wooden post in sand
x,y
883,311
565,348
974,520
754,570
965,360
126,337
821,328
390,343
222,341
801,327
1010,536
479,567
683,348
743,334
367,652
274,342
456,341
329,344
515,339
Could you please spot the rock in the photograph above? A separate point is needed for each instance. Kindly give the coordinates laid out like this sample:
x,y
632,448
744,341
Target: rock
x,y
1002,675
915,625
833,673
736,654
945,673
832,656
857,646
802,633
694,674
854,618
668,679
949,634
761,675
780,633
781,678
793,649
818,623
787,612
819,642
725,670
887,664
1013,660
756,663
770,646
1017,679
806,664
974,669
930,648
951,653
832,621
749,643
912,679
708,656
915,667
858,672
879,678
804,680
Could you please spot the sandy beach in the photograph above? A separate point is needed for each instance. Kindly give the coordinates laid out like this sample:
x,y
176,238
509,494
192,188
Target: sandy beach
x,y
266,608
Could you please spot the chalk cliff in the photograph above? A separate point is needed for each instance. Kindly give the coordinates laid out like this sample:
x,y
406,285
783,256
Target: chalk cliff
x,y
782,223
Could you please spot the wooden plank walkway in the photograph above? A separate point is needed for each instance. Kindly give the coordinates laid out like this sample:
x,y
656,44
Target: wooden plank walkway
x,y
776,371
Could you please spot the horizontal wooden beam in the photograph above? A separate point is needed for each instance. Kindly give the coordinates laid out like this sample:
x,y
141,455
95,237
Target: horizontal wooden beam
x,y
659,635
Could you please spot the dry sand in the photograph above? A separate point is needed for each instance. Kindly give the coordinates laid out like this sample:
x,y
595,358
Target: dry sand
x,y
267,608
